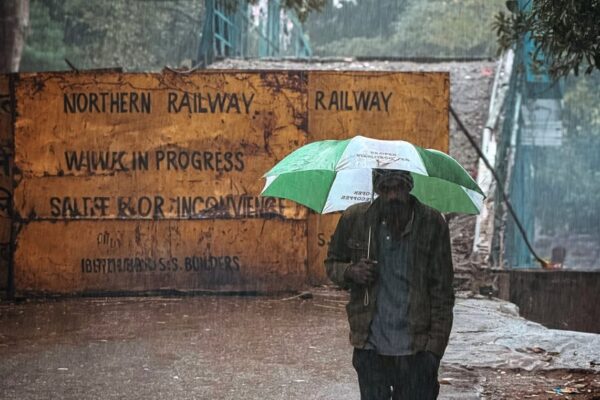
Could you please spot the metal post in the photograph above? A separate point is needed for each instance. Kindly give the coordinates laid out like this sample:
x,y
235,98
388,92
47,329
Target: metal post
x,y
206,51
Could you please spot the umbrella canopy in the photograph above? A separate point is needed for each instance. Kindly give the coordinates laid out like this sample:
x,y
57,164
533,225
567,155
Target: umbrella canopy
x,y
331,175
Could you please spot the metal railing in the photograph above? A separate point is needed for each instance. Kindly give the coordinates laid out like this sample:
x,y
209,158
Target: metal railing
x,y
233,28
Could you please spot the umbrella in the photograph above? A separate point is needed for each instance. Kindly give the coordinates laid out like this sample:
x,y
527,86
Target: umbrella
x,y
331,175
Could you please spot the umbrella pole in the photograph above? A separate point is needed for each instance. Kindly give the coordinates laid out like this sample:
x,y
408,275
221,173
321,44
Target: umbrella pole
x,y
366,299
369,244
369,239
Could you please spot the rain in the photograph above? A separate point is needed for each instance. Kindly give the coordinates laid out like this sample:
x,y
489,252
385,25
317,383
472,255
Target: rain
x,y
188,191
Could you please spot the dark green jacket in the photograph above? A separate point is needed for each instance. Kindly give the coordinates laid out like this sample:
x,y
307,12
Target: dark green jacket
x,y
431,297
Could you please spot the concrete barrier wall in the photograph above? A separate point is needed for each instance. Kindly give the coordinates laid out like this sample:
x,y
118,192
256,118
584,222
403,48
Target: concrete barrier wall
x,y
557,299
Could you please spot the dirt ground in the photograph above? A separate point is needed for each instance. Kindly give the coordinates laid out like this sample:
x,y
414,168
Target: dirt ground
x,y
558,384
221,347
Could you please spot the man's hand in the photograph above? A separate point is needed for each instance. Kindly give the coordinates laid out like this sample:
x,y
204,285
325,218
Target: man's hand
x,y
363,272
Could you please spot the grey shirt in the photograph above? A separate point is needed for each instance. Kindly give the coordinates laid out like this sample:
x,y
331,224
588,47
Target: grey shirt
x,y
389,334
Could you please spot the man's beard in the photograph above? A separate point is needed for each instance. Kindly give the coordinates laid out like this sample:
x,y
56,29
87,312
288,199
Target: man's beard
x,y
396,214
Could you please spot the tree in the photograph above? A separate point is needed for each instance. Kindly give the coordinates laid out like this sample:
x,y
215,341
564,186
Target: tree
x,y
14,17
134,35
140,35
302,7
581,106
567,33
346,19
411,28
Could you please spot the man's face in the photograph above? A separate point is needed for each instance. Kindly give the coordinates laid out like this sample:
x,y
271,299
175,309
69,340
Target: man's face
x,y
393,192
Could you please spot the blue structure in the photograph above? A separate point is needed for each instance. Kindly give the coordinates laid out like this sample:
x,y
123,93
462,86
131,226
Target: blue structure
x,y
532,128
231,30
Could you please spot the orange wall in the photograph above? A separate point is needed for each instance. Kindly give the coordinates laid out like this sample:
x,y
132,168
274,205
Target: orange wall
x,y
152,181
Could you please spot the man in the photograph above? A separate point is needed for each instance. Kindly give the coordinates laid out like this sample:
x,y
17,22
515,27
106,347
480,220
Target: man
x,y
401,295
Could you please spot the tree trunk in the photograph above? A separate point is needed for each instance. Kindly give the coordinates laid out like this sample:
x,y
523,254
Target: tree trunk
x,y
14,20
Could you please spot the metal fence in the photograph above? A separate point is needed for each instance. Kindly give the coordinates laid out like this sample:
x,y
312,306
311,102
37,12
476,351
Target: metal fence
x,y
550,156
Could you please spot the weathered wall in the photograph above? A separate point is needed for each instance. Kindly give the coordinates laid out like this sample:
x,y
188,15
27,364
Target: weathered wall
x,y
557,299
146,181
6,152
152,181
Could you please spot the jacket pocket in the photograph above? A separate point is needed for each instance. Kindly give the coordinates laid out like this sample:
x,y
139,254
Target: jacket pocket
x,y
357,248
358,317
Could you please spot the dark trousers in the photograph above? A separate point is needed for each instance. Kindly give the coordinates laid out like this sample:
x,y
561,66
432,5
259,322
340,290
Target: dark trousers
x,y
411,377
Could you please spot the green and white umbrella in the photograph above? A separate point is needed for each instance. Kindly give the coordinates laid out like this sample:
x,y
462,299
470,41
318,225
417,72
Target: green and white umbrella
x,y
331,175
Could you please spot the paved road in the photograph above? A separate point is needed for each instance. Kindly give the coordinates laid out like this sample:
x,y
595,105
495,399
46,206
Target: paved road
x,y
220,347
184,348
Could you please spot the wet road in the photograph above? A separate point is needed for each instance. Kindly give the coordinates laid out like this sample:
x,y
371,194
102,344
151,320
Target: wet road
x,y
181,348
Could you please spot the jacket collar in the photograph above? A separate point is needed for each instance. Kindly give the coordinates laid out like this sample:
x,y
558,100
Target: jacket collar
x,y
417,207
372,218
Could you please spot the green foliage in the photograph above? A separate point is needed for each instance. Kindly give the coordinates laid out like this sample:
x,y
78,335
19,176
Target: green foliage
x,y
304,7
420,28
134,35
567,183
449,28
567,32
44,48
361,19
582,105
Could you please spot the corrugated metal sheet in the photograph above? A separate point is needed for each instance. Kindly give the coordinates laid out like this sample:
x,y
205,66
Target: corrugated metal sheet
x,y
113,149
136,182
